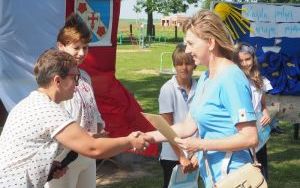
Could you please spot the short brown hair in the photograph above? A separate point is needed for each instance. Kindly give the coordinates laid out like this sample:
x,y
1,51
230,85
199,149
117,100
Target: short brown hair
x,y
206,25
52,62
74,30
179,56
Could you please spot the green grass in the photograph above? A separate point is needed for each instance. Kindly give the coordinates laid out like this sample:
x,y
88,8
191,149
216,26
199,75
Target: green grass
x,y
162,33
284,159
153,181
283,150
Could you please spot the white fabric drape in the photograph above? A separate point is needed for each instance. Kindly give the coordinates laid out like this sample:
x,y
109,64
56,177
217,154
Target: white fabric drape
x,y
27,28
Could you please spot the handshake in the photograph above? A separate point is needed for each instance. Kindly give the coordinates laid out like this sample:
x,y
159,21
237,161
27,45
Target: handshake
x,y
139,141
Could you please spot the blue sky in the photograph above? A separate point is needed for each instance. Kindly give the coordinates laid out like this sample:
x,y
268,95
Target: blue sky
x,y
128,13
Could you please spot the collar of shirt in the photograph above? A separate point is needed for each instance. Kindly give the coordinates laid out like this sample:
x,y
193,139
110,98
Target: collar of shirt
x,y
187,97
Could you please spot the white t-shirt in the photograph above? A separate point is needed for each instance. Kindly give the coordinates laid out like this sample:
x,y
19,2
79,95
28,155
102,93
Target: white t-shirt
x,y
27,142
257,94
171,101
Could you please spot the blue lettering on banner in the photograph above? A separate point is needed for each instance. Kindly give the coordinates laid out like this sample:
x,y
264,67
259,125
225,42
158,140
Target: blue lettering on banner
x,y
256,14
265,31
292,30
284,14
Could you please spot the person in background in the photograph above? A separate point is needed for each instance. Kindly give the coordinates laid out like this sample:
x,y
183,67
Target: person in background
x,y
37,126
221,109
246,60
174,100
73,38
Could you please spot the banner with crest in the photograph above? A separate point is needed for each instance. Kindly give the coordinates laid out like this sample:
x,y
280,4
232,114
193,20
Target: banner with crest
x,y
98,16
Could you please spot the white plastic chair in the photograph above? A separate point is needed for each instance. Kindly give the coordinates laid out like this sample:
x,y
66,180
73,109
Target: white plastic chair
x,y
166,67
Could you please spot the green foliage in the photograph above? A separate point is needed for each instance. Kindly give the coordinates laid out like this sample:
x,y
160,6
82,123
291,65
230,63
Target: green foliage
x,y
162,6
163,34
206,4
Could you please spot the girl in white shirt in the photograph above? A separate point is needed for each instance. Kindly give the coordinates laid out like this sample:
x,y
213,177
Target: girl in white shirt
x,y
247,61
174,100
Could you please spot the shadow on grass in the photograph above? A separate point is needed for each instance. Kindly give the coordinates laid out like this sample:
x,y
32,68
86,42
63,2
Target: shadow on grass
x,y
284,159
152,180
287,155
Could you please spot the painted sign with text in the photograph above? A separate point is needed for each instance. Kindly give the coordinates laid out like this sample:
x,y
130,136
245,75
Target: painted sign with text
x,y
274,30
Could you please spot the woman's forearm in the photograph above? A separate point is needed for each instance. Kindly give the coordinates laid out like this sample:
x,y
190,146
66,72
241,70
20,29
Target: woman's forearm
x,y
233,143
78,140
245,138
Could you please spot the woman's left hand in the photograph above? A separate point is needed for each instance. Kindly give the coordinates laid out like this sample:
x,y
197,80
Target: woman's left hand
x,y
186,164
190,144
265,119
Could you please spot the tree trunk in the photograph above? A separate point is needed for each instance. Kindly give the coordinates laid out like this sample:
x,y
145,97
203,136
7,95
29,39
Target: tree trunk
x,y
150,24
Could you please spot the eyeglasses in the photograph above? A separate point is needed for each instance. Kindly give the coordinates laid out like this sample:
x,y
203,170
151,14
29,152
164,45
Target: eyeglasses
x,y
76,77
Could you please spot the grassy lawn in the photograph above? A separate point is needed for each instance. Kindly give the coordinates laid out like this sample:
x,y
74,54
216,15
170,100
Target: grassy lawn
x,y
138,70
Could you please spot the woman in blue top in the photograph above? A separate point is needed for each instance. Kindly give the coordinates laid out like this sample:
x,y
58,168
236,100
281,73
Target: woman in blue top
x,y
221,110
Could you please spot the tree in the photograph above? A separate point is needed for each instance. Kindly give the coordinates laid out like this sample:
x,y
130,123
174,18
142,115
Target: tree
x,y
206,4
162,6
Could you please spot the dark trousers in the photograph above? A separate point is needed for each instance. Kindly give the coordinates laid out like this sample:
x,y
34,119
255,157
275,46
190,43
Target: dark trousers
x,y
167,167
262,158
3,114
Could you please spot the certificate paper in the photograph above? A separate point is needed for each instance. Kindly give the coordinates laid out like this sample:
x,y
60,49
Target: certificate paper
x,y
264,131
162,126
181,180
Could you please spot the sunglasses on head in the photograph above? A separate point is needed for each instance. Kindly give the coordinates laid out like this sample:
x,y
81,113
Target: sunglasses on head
x,y
247,48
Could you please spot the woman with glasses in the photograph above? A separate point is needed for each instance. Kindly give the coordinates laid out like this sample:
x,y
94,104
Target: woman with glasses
x,y
73,38
38,126
246,60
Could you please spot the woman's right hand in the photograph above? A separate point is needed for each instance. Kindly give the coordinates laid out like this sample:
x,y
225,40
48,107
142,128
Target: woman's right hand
x,y
190,144
56,171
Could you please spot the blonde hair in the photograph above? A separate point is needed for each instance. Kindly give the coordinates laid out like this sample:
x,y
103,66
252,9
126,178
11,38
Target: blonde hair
x,y
206,25
253,74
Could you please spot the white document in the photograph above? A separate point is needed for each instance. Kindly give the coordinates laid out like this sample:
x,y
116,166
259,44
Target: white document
x,y
181,180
